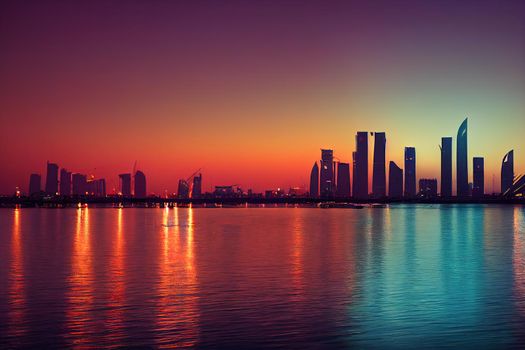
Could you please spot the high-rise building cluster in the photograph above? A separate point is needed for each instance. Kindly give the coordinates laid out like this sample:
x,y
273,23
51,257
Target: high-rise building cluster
x,y
329,180
68,184
329,177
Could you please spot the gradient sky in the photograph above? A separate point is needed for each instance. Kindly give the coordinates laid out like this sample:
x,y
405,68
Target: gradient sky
x,y
251,90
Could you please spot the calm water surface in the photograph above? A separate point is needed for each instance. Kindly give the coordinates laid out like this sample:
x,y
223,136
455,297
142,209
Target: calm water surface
x,y
402,277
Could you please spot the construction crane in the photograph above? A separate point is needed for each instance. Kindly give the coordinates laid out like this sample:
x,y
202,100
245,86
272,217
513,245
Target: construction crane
x,y
186,186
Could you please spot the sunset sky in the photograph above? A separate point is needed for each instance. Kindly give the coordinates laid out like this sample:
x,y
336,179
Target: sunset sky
x,y
249,91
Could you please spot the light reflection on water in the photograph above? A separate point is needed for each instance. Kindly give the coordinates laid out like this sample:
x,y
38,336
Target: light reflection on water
x,y
401,277
16,294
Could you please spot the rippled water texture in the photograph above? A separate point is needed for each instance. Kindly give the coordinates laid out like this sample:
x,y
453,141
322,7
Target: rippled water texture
x,y
402,277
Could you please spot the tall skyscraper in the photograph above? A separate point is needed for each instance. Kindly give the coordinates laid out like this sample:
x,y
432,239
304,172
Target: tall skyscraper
x,y
65,182
314,181
379,173
343,180
183,189
410,172
79,184
395,181
327,184
478,187
360,158
35,181
196,190
507,172
446,167
140,184
52,179
125,185
462,160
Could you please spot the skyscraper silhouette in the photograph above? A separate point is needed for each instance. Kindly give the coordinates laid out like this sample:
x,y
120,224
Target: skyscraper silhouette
x,y
79,184
462,160
140,184
507,172
35,181
196,190
360,159
478,187
395,181
183,189
314,181
410,172
327,184
52,179
65,182
379,174
125,184
446,167
343,180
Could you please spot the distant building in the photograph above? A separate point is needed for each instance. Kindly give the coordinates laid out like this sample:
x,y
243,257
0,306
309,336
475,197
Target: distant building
x,y
446,167
223,191
327,184
35,181
295,191
360,165
65,182
343,180
183,189
314,181
125,184
96,187
196,190
410,172
507,172
462,160
79,182
478,186
379,174
428,188
140,184
395,181
52,179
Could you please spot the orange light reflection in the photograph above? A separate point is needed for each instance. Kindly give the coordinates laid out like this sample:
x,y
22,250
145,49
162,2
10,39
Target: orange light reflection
x,y
178,301
80,294
16,292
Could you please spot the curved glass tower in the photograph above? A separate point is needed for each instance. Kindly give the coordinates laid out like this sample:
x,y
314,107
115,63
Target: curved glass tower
x,y
507,172
462,160
314,181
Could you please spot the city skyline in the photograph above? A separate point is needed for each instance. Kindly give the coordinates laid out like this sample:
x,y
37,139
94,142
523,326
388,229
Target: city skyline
x,y
251,102
332,178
